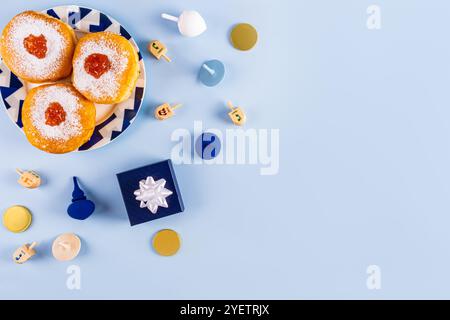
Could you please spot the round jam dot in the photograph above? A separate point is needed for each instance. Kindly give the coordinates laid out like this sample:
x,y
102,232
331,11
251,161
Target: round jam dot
x,y
37,46
55,114
97,64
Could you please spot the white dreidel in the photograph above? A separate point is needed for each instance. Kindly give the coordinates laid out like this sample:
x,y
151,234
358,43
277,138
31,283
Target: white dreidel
x,y
190,23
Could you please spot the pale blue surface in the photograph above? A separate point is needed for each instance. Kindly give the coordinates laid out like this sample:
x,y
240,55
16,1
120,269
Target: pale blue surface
x,y
364,178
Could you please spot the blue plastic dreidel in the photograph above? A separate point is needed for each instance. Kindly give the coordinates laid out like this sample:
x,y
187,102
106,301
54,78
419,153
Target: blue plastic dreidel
x,y
211,73
80,208
208,146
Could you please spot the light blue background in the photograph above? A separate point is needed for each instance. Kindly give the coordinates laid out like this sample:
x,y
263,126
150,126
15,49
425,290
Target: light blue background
x,y
364,177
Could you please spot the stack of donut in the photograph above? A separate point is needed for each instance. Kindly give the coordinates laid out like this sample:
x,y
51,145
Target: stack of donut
x,y
59,116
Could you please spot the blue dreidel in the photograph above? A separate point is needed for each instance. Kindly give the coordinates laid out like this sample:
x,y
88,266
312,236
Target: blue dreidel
x,y
80,208
211,73
208,146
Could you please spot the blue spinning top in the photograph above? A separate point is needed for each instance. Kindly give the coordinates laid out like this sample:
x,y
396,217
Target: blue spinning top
x,y
208,146
211,73
80,208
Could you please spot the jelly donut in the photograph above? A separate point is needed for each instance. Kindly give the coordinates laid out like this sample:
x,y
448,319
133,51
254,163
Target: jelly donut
x,y
38,48
105,67
57,118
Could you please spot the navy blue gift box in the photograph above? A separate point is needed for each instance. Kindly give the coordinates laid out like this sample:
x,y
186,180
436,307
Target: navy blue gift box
x,y
129,183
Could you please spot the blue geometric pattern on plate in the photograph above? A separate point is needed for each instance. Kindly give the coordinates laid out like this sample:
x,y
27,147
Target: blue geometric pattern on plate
x,y
13,91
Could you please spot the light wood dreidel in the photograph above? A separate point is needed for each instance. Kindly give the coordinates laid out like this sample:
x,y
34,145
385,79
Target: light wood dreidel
x,y
66,247
24,253
159,50
165,111
236,115
29,179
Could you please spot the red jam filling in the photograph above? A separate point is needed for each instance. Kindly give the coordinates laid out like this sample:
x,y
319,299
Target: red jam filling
x,y
55,114
37,46
97,64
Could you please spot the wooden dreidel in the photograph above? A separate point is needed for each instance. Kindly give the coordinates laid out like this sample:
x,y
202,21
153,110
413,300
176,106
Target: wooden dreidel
x,y
159,50
29,179
24,253
66,247
165,111
237,115
80,208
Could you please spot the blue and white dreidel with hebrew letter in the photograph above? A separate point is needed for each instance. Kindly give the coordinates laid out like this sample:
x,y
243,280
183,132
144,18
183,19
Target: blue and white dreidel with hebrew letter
x,y
81,208
208,146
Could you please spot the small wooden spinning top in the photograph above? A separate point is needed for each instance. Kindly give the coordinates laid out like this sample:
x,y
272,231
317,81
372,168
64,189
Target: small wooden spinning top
x,y
165,111
66,247
80,208
24,253
29,179
159,50
236,115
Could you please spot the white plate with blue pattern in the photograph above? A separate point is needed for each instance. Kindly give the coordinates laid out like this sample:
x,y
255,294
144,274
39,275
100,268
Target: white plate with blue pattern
x,y
112,120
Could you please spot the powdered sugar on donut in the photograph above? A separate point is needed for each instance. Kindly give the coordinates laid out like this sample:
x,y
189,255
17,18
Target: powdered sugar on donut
x,y
108,84
25,25
71,104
